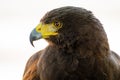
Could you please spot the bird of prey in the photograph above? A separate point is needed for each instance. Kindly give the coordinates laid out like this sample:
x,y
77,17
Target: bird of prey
x,y
78,48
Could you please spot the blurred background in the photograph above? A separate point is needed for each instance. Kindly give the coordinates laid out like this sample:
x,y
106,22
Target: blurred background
x,y
19,17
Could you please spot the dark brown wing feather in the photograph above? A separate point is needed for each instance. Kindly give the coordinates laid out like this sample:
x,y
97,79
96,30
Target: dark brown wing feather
x,y
113,66
30,72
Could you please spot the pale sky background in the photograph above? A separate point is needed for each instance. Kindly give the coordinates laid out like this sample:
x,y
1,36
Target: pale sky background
x,y
19,17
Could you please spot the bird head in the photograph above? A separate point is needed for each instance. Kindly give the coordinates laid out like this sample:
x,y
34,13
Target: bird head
x,y
67,25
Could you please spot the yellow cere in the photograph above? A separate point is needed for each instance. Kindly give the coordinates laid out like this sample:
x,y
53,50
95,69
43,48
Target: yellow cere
x,y
47,30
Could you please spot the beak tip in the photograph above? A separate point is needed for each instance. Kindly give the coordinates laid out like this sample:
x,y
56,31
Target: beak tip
x,y
31,41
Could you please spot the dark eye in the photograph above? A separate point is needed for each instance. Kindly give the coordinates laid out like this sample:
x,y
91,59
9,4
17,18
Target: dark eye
x,y
57,24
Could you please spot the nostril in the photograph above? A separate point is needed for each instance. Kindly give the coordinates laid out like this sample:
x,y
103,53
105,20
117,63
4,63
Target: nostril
x,y
39,29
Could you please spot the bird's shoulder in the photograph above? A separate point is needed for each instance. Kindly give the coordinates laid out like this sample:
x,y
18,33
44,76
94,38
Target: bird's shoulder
x,y
114,58
114,64
30,72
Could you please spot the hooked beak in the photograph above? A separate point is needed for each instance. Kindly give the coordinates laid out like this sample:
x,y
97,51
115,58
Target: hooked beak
x,y
34,36
43,31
